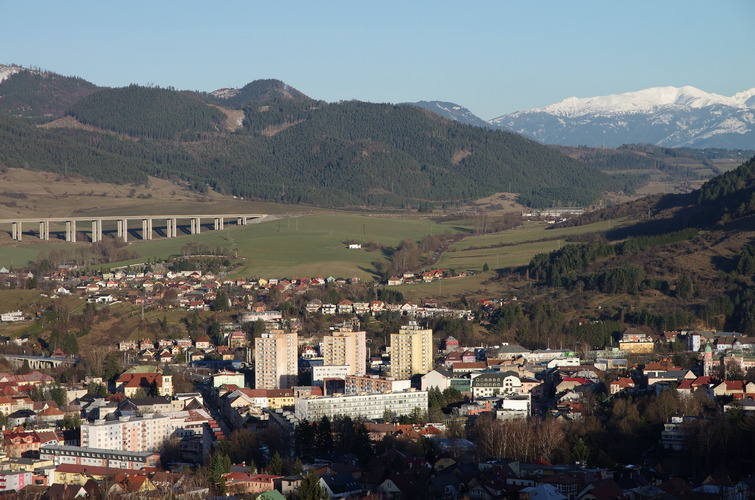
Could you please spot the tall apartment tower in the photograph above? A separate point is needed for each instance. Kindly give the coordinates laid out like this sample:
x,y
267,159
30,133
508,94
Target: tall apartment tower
x,y
276,363
411,351
346,346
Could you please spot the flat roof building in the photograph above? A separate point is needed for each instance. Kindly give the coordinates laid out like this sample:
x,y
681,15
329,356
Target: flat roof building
x,y
276,360
411,351
367,406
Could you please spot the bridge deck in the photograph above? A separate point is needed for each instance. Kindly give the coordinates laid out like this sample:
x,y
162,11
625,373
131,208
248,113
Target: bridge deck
x,y
130,217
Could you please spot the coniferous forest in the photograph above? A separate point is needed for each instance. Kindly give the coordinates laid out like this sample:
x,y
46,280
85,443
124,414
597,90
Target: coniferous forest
x,y
290,148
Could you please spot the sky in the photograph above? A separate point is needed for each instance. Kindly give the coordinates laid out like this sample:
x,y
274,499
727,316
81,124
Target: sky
x,y
493,57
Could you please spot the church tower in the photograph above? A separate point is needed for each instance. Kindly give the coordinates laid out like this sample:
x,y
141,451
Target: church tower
x,y
708,360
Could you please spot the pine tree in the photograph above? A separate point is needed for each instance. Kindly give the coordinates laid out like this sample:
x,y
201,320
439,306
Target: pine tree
x,y
310,488
275,466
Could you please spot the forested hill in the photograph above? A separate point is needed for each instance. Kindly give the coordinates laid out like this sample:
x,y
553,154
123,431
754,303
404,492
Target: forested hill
x,y
258,91
384,152
297,150
41,96
694,254
725,202
153,113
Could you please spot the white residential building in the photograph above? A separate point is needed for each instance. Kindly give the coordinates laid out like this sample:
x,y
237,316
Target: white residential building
x,y
78,455
225,377
276,360
514,406
12,317
486,385
367,406
320,373
346,346
411,351
127,434
14,480
569,361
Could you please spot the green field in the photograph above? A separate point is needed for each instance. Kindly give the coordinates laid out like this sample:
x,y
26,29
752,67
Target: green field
x,y
451,287
533,231
14,257
514,247
496,258
314,245
295,246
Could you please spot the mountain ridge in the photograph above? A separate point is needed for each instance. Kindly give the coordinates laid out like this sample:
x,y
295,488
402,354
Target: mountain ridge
x,y
452,111
291,148
646,100
663,116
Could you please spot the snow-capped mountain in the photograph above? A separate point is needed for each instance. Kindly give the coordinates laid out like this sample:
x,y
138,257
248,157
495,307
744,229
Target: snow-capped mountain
x,y
453,112
665,116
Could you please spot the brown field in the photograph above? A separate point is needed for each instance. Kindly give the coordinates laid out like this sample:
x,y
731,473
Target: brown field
x,y
29,193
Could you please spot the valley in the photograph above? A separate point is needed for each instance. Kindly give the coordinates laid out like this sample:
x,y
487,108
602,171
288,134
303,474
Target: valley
x,y
422,300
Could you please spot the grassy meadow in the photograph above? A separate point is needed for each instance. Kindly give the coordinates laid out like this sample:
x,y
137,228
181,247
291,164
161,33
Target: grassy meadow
x,y
515,247
315,245
294,246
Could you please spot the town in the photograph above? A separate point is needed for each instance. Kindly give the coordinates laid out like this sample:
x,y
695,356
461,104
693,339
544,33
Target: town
x,y
498,250
291,387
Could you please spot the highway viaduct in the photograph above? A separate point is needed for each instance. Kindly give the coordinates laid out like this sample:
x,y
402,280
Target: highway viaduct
x,y
140,226
37,362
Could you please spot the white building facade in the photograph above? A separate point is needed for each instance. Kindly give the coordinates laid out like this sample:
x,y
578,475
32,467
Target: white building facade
x,y
127,434
367,406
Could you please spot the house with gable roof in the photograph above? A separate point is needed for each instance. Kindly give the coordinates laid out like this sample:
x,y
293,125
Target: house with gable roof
x,y
622,384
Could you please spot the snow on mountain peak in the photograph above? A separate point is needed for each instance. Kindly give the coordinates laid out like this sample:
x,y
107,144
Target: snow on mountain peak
x,y
644,101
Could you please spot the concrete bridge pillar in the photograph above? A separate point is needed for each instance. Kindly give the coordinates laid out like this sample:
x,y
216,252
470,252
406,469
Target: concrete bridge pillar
x,y
218,223
196,225
146,229
17,231
44,230
71,231
123,229
95,233
174,225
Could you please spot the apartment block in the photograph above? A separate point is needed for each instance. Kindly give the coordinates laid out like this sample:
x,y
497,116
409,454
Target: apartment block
x,y
411,351
276,360
127,434
367,406
346,346
98,457
355,384
321,373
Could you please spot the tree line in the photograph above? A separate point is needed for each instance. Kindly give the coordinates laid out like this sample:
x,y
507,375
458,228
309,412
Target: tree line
x,y
559,267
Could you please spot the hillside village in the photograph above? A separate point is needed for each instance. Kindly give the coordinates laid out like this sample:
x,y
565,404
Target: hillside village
x,y
423,415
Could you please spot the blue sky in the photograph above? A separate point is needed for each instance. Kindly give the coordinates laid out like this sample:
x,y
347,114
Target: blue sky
x,y
492,57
